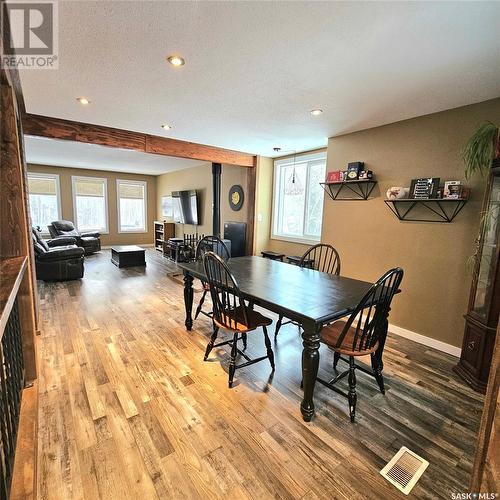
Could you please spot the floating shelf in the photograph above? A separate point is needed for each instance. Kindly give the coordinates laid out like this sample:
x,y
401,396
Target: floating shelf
x,y
361,189
444,210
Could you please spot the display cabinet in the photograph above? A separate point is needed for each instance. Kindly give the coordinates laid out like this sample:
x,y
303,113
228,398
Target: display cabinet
x,y
481,319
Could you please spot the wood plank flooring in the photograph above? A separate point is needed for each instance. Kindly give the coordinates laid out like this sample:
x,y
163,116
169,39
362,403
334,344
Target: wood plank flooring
x,y
128,408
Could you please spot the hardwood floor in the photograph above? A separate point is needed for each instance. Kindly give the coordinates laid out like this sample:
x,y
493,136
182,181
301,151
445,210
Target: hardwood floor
x,y
128,408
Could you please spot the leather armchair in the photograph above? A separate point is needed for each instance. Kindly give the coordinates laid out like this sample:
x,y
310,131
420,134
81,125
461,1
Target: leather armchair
x,y
57,259
90,241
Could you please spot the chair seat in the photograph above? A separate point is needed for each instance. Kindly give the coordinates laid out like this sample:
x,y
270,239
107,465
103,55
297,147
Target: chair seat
x,y
330,335
255,319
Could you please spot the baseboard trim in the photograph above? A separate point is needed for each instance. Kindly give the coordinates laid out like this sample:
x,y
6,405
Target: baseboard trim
x,y
428,341
142,245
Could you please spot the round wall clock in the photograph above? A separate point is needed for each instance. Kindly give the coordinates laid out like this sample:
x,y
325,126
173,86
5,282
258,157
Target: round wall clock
x,y
236,197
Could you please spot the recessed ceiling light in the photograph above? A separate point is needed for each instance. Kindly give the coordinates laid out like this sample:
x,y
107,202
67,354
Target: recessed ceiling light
x,y
83,100
316,112
176,61
166,127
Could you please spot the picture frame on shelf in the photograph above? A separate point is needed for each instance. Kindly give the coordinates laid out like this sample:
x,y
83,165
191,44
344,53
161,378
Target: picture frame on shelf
x,y
452,190
424,188
334,176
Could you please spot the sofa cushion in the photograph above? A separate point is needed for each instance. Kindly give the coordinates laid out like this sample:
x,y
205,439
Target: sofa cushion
x,y
90,234
62,253
38,240
65,228
61,241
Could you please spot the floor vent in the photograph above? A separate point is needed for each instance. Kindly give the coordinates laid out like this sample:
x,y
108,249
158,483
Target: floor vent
x,y
404,470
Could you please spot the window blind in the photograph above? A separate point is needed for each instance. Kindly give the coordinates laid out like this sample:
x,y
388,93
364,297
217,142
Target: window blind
x,y
89,187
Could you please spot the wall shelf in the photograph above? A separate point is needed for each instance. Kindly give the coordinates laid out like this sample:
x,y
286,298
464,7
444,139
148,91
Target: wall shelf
x,y
439,210
357,189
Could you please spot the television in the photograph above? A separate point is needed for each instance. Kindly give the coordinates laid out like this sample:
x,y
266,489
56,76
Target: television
x,y
185,205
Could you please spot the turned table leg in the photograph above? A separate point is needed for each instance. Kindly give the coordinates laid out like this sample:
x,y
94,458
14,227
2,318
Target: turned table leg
x,y
310,363
188,300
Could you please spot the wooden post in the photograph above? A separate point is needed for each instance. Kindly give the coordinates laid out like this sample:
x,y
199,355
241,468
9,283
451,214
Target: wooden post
x,y
216,188
484,475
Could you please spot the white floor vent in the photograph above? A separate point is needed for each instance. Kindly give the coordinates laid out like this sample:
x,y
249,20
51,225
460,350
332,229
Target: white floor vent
x,y
404,470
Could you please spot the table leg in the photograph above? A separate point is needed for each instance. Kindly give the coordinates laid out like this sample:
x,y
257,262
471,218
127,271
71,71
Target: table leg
x,y
376,358
188,300
310,363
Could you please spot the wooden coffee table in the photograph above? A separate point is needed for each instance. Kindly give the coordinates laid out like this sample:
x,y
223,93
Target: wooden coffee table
x,y
128,256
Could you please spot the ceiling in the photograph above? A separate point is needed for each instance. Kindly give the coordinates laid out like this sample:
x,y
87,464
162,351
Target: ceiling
x,y
43,151
255,69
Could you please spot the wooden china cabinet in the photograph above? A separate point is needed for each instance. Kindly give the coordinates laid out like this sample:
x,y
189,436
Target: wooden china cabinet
x,y
481,319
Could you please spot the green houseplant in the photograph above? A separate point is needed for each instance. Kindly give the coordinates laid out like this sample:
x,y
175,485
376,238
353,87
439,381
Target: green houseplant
x,y
481,149
478,153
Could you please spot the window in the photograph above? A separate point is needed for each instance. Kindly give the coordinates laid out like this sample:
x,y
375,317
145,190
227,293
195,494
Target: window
x,y
298,197
45,199
131,206
90,203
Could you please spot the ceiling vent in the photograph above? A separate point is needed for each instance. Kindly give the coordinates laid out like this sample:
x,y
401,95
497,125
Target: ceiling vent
x,y
404,470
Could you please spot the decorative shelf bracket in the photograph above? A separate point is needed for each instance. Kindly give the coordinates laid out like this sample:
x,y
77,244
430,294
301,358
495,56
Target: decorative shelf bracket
x,y
361,189
444,210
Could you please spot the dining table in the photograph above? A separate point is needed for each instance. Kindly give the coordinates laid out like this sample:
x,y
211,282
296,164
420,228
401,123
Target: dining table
x,y
308,297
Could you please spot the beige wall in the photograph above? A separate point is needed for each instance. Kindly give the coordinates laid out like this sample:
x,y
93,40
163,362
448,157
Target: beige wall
x,y
370,239
232,175
263,203
200,178
114,237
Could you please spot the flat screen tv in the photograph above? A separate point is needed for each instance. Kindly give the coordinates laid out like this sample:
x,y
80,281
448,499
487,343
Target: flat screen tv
x,y
185,204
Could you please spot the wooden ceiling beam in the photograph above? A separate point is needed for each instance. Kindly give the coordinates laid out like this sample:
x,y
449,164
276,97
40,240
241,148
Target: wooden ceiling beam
x,y
57,128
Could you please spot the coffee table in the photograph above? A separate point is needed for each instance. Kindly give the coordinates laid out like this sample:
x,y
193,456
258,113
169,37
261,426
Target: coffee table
x,y
128,256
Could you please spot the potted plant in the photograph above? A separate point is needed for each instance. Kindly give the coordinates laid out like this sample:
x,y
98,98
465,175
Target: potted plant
x,y
478,154
481,149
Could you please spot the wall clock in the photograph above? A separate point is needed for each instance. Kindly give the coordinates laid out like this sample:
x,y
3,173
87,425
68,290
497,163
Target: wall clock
x,y
236,197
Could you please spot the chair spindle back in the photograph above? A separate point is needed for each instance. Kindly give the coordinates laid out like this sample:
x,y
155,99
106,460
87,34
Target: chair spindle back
x,y
211,244
325,259
229,309
371,312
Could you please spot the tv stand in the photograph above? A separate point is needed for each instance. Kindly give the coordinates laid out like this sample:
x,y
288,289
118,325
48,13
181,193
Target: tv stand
x,y
163,231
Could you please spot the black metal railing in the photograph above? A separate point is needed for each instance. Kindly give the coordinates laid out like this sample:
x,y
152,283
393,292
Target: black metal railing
x,y
11,386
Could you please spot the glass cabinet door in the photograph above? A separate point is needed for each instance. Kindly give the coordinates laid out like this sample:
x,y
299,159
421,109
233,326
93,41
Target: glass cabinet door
x,y
487,264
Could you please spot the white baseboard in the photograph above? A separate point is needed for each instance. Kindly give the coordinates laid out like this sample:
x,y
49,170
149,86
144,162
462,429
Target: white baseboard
x,y
428,341
142,245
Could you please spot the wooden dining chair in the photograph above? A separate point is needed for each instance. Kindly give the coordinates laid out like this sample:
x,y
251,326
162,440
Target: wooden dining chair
x,y
362,334
209,244
231,313
321,257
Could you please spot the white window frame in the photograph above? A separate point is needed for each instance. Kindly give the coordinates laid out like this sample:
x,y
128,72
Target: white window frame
x,y
75,178
281,162
42,175
145,201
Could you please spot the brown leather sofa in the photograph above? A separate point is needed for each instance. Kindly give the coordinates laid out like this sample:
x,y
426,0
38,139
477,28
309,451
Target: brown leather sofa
x,y
90,241
57,259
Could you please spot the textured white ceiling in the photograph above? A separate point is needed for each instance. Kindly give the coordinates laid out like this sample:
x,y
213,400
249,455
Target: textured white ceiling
x,y
43,151
255,69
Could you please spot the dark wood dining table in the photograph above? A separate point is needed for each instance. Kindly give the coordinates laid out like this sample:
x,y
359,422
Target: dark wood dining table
x,y
309,297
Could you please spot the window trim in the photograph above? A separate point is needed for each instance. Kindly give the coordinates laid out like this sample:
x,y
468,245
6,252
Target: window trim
x,y
43,175
145,201
75,178
278,163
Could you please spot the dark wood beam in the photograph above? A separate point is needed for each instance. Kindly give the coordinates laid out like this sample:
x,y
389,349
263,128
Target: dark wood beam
x,y
57,128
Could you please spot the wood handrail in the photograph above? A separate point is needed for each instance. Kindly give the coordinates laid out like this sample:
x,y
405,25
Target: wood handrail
x,y
12,270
